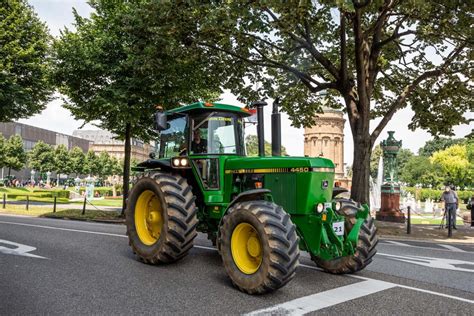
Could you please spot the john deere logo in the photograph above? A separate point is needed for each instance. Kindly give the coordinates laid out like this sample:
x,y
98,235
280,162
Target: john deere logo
x,y
325,184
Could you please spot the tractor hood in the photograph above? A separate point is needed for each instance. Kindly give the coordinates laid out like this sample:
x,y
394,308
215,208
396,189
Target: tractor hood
x,y
283,164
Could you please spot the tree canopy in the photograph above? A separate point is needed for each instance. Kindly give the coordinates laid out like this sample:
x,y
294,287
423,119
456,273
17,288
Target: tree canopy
x,y
438,144
121,62
41,157
372,58
62,162
15,154
454,163
24,61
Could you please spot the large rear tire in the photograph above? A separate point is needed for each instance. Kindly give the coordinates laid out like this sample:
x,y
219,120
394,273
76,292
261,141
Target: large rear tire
x,y
259,246
366,245
161,218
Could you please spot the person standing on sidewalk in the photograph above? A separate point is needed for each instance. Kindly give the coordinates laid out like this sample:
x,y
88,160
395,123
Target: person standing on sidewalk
x,y
450,199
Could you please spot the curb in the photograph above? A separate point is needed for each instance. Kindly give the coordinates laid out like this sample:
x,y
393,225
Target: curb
x,y
446,241
105,221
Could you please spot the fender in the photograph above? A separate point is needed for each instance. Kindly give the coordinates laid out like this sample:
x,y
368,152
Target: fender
x,y
153,164
250,195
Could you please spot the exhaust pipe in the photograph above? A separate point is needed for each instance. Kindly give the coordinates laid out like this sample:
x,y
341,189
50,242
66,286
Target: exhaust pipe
x,y
276,129
260,132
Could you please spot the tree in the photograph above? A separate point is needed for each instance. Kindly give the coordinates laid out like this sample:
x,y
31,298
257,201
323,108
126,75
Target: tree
x,y
2,151
454,163
419,169
438,144
77,159
373,56
24,61
91,164
374,161
15,154
62,162
118,64
105,165
41,157
251,143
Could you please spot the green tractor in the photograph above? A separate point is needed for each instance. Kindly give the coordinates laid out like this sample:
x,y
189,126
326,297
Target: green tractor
x,y
259,211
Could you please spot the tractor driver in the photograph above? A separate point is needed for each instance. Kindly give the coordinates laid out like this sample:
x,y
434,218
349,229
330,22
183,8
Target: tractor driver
x,y
198,144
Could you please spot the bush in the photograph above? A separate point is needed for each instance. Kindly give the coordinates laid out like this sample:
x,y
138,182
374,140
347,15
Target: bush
x,y
51,193
434,194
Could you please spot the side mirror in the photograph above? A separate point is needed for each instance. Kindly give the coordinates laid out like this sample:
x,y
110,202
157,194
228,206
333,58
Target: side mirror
x,y
161,122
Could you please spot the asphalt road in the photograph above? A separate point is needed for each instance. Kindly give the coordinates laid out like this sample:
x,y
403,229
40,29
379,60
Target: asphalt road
x,y
66,267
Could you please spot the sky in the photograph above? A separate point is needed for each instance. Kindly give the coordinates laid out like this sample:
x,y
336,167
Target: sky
x,y
58,14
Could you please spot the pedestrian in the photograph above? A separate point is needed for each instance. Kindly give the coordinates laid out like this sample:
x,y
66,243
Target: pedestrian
x,y
451,201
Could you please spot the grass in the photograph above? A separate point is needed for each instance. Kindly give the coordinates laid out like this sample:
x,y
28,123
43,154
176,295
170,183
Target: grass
x,y
431,221
67,213
106,202
89,215
43,199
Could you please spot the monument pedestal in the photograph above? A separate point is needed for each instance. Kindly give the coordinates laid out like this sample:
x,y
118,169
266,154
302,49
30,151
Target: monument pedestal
x,y
390,205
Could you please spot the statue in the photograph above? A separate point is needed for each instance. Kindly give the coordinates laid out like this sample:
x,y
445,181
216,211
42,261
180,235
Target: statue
x,y
390,191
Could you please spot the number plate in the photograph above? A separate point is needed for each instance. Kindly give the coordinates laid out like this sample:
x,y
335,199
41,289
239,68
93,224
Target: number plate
x,y
338,228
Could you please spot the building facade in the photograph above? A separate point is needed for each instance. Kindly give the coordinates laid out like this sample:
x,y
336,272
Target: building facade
x,y
31,135
106,141
326,139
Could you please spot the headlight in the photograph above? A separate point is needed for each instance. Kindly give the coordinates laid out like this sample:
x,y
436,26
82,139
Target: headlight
x,y
176,162
320,207
337,206
184,162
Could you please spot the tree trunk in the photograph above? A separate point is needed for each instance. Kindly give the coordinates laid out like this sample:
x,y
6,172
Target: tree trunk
x,y
126,167
361,167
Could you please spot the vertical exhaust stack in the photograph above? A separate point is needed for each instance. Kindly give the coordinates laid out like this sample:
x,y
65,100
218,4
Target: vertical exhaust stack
x,y
276,129
260,132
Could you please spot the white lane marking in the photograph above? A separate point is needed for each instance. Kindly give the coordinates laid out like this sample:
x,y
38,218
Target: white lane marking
x,y
447,247
311,303
19,250
64,229
452,248
214,249
437,263
402,286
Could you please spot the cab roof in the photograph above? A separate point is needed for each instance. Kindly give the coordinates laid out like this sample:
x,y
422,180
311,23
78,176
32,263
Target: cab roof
x,y
210,106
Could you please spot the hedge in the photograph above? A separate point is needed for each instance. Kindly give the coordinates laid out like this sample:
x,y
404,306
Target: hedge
x,y
51,193
433,194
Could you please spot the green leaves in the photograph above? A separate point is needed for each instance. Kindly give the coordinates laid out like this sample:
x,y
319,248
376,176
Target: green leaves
x,y
24,61
15,154
41,157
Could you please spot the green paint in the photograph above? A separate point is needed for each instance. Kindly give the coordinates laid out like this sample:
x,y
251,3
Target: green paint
x,y
298,184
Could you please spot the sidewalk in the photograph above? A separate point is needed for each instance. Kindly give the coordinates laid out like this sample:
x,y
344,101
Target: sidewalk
x,y
387,230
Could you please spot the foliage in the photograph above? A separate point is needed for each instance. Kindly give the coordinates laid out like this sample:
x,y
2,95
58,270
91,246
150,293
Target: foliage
x,y
41,157
91,165
377,57
419,169
424,193
62,162
251,144
24,61
438,144
15,154
122,61
2,151
77,159
454,163
402,158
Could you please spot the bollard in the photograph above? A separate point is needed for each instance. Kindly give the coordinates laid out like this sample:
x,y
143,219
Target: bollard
x,y
54,205
84,206
408,220
27,202
4,199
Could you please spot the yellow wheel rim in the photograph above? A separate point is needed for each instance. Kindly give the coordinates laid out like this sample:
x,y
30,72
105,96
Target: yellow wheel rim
x,y
246,248
148,217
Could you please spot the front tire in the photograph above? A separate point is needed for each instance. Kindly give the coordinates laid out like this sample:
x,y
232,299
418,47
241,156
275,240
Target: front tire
x,y
259,246
161,218
366,244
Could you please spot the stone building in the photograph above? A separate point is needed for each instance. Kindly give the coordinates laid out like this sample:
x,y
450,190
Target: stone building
x,y
326,139
106,141
31,135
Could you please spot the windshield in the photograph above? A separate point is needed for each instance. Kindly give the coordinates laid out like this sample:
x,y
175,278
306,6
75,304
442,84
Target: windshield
x,y
173,139
217,133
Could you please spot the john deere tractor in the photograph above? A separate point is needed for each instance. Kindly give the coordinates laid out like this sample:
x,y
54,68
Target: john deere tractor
x,y
260,212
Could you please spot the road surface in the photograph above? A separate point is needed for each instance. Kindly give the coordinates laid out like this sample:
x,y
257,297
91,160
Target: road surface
x,y
66,267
